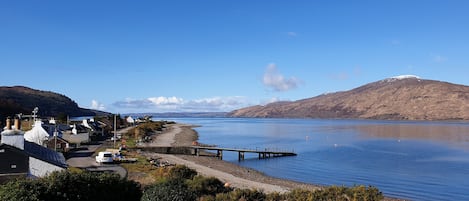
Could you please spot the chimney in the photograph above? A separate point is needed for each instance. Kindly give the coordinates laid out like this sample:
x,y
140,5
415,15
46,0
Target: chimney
x,y
17,124
13,137
8,123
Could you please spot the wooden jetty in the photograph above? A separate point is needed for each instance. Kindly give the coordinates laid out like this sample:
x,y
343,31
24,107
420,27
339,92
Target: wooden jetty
x,y
241,152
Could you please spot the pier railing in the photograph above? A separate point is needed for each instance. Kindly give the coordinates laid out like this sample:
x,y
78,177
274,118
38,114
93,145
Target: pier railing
x,y
197,150
262,153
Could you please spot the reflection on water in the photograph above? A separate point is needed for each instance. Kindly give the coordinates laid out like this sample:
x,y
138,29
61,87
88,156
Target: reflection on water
x,y
456,134
412,160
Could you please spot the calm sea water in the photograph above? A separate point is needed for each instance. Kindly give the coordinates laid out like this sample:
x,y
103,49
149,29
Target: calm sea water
x,y
411,160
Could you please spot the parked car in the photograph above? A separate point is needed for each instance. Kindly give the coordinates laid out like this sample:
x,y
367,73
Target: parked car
x,y
104,157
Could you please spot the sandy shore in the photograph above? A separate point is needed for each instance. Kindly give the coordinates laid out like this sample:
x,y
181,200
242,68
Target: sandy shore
x,y
236,176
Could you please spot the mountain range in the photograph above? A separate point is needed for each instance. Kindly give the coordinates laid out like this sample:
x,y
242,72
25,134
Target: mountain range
x,y
396,98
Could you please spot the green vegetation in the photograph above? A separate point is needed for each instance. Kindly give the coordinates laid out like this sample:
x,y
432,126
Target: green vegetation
x,y
142,132
339,193
172,190
181,172
174,184
207,186
72,186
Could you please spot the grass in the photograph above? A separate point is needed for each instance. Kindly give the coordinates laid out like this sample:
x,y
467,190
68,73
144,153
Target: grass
x,y
143,171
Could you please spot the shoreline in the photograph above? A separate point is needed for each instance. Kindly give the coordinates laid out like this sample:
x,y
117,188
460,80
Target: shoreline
x,y
231,173
228,172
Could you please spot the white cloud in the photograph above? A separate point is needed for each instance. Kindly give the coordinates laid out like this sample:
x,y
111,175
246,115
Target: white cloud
x,y
95,105
276,81
166,100
271,100
175,104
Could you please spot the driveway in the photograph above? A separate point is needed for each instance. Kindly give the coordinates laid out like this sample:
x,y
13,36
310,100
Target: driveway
x,y
83,158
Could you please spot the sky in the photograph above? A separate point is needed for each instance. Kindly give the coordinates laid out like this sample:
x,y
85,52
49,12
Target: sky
x,y
221,55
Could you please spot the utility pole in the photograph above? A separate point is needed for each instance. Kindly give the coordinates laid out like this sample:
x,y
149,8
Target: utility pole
x,y
115,130
35,111
56,134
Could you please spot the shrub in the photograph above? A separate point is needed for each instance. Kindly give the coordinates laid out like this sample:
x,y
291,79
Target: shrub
x,y
301,194
242,195
275,196
181,172
72,186
206,186
174,190
339,193
22,190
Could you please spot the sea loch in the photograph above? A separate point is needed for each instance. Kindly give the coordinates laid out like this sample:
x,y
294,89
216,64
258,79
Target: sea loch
x,y
410,160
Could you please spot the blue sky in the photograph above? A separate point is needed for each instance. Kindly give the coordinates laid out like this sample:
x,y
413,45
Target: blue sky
x,y
215,55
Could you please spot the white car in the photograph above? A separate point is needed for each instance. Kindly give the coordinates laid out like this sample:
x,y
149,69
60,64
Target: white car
x,y
104,157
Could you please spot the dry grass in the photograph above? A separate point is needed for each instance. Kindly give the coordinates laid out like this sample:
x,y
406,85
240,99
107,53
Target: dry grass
x,y
143,171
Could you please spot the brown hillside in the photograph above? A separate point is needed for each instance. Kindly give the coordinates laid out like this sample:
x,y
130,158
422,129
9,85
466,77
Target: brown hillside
x,y
408,98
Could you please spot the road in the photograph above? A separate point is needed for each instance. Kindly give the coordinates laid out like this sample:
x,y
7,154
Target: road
x,y
83,158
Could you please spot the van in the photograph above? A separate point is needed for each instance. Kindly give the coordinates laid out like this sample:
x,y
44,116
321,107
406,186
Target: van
x,y
104,157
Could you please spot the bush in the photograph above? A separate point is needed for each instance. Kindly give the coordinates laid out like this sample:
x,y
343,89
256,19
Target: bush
x,y
174,190
242,195
339,193
22,190
72,186
207,186
181,172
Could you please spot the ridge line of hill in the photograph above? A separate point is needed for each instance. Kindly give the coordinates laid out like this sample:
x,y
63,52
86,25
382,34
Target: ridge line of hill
x,y
396,98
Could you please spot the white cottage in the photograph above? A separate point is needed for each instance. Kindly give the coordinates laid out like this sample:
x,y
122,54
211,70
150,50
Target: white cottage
x,y
130,120
37,134
20,157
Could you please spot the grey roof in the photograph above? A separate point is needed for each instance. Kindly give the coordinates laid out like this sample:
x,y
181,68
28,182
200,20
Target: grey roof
x,y
44,154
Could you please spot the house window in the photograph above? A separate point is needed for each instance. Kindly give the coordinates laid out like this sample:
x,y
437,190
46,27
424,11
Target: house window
x,y
2,150
13,166
59,146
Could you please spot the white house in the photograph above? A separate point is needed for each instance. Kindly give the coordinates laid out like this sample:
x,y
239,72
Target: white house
x,y
37,134
21,157
130,120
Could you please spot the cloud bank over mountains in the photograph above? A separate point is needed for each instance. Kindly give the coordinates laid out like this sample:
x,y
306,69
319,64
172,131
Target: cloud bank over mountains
x,y
272,79
175,104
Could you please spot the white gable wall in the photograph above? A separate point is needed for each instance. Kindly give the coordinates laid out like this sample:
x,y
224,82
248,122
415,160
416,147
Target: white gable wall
x,y
40,168
37,134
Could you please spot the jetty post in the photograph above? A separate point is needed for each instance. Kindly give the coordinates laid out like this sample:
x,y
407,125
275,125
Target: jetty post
x,y
220,154
240,155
